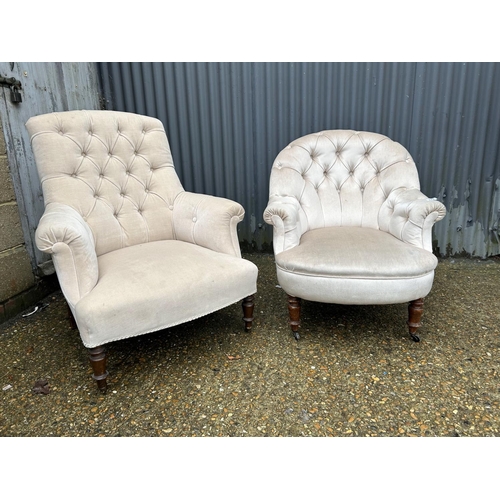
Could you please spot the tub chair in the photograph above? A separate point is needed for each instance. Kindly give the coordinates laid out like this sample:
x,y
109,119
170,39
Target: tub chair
x,y
350,225
133,251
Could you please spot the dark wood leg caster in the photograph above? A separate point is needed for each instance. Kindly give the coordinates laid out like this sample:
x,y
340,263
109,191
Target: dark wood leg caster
x,y
415,310
294,312
98,362
248,305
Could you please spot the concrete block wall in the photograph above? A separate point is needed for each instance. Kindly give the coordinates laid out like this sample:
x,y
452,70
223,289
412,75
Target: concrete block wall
x,y
19,288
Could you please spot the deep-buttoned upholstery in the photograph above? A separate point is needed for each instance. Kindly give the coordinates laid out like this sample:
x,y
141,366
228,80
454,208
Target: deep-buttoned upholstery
x,y
350,225
133,251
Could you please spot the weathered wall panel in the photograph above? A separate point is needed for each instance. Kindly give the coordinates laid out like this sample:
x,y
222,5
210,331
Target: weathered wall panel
x,y
46,87
455,143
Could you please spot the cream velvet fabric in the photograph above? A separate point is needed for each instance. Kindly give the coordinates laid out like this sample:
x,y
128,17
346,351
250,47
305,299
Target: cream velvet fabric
x,y
151,286
350,224
110,189
115,169
378,267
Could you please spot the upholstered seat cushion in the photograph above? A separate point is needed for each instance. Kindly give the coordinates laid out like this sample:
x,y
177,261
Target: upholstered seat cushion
x,y
145,281
355,265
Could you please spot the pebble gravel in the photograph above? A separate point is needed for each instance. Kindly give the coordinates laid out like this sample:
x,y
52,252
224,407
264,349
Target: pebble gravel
x,y
354,372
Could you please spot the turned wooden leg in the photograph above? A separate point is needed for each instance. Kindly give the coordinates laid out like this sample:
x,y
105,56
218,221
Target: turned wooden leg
x,y
415,310
98,362
294,312
248,305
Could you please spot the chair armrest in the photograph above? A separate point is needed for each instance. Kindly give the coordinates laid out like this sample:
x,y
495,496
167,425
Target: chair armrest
x,y
282,212
64,234
208,221
413,215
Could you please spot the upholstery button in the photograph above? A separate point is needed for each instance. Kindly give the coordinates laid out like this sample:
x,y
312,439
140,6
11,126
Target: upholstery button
x,y
146,190
171,207
194,219
84,153
101,175
122,194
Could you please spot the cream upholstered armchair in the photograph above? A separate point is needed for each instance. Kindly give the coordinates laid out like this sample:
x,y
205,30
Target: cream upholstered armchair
x,y
134,253
350,225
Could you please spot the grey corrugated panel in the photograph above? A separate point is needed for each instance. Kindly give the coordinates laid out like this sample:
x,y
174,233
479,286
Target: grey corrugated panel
x,y
226,123
456,131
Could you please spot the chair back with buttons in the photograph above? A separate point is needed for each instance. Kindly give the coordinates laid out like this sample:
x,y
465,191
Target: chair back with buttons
x,y
114,168
343,178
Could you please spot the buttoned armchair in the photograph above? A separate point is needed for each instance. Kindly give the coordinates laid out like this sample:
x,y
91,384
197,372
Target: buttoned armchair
x,y
350,225
133,251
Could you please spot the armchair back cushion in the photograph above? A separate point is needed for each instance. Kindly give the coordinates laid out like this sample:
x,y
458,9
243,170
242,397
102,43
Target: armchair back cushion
x,y
343,178
115,171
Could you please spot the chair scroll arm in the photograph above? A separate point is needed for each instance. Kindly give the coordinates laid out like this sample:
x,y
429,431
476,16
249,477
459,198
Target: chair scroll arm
x,y
63,233
414,215
208,221
282,212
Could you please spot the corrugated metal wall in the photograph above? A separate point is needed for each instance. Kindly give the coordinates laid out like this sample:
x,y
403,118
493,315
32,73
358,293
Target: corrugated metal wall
x,y
226,123
455,142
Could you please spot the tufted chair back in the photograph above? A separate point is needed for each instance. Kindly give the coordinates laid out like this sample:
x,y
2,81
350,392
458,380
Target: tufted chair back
x,y
343,178
114,168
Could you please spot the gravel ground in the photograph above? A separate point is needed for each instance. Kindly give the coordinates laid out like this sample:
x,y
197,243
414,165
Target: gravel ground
x,y
354,372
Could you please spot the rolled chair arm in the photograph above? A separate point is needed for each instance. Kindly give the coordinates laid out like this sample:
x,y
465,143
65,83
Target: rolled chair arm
x,y
282,213
64,234
413,215
208,221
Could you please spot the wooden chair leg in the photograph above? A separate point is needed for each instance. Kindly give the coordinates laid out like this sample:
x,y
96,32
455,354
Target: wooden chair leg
x,y
415,310
248,305
98,361
294,312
